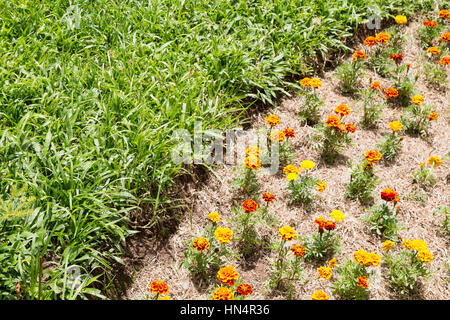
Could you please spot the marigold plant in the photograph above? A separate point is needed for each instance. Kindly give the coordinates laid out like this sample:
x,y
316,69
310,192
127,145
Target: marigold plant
x,y
309,111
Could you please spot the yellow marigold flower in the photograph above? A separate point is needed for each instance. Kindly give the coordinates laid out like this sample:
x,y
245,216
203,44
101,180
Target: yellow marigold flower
x,y
290,169
319,295
332,263
201,244
252,162
307,164
291,176
163,298
159,287
277,136
223,235
223,293
400,19
425,255
387,245
252,150
315,83
305,82
433,50
272,120
395,126
432,116
324,272
435,161
417,99
287,233
227,275
214,216
337,215
416,244
366,258
321,186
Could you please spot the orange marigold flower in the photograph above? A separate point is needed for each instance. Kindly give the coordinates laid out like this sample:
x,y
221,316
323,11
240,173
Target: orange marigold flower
x,y
375,85
249,206
319,295
433,116
227,275
324,272
287,233
201,244
289,133
445,14
223,235
272,120
391,93
330,225
214,217
223,293
363,282
445,61
332,263
333,121
388,194
252,151
370,41
290,169
445,37
358,55
252,162
305,82
159,287
350,127
397,57
321,186
268,197
298,250
244,289
433,50
382,37
277,136
342,110
372,156
321,221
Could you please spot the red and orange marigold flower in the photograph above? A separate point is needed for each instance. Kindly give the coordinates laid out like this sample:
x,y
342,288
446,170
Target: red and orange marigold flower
x,y
201,244
350,127
397,57
324,272
342,110
370,41
432,116
268,197
382,37
391,93
223,293
244,289
376,85
363,282
249,206
159,287
433,50
445,14
445,37
429,23
445,61
289,133
298,251
389,195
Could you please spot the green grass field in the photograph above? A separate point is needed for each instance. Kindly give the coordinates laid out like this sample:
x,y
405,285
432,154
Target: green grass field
x,y
91,95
